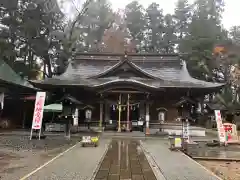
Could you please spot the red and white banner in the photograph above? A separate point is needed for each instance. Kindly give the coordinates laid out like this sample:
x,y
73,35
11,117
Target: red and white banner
x,y
38,110
220,127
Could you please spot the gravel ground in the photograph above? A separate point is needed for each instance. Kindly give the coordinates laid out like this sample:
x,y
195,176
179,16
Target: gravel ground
x,y
19,155
225,170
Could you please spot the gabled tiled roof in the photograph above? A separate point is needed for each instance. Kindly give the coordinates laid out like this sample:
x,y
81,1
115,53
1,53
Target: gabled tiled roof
x,y
166,70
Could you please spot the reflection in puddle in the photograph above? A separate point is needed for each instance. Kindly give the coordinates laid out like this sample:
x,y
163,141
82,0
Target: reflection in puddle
x,y
130,164
139,150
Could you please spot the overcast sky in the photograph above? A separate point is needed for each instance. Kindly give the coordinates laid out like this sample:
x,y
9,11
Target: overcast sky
x,y
231,15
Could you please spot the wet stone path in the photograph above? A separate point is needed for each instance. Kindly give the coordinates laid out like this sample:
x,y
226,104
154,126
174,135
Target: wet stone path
x,y
125,160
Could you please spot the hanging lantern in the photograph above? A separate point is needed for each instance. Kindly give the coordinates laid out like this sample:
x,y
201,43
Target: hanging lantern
x,y
134,108
219,50
114,109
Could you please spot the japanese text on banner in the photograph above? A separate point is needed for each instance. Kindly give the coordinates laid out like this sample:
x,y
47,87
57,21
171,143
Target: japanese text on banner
x,y
220,127
38,111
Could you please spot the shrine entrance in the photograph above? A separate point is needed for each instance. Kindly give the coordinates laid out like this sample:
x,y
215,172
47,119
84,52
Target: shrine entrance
x,y
134,113
125,112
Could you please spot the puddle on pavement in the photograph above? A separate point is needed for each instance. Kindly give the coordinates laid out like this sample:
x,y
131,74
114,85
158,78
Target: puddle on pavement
x,y
125,160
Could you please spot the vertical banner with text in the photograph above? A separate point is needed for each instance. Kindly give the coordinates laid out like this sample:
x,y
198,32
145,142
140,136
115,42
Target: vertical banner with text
x,y
220,127
38,112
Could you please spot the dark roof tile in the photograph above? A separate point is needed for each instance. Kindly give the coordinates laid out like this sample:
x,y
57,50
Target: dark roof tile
x,y
8,75
169,71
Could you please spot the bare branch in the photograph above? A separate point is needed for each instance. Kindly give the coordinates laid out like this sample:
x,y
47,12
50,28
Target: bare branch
x,y
79,17
73,2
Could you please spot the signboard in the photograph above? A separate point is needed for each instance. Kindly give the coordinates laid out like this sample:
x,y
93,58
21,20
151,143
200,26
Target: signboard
x,y
75,117
230,132
186,130
134,123
86,139
220,127
38,112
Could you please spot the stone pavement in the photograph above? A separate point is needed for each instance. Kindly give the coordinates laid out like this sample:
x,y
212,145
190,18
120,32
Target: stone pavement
x,y
175,165
77,164
125,160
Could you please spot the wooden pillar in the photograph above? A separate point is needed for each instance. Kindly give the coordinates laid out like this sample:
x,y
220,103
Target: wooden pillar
x,y
68,126
101,115
24,114
107,112
119,113
128,113
147,119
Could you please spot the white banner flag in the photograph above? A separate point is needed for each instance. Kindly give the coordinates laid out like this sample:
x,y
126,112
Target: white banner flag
x,y
220,127
38,110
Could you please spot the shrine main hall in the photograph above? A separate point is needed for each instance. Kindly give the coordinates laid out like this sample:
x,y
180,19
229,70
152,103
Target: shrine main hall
x,y
123,88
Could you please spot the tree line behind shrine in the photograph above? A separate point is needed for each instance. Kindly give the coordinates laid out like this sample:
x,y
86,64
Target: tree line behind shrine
x,y
36,36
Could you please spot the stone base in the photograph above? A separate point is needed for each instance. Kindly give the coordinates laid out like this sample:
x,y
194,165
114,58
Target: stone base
x,y
177,129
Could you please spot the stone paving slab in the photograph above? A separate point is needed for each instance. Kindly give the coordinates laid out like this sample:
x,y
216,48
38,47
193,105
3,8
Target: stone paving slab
x,y
125,160
79,163
174,165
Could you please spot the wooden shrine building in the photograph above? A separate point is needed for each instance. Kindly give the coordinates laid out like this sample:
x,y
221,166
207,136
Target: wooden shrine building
x,y
14,91
124,87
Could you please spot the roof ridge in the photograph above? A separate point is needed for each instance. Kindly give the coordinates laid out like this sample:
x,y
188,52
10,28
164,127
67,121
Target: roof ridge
x,y
128,54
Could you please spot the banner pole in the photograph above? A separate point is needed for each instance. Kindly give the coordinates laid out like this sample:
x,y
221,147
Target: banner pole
x,y
31,134
39,135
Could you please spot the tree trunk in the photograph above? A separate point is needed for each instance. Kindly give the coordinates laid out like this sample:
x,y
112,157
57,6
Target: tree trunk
x,y
44,69
49,66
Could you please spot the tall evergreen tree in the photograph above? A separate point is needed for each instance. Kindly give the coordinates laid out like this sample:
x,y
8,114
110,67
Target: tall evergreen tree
x,y
136,23
155,27
169,36
200,41
182,18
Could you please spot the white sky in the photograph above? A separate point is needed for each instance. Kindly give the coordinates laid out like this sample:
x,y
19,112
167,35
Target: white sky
x,y
231,16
